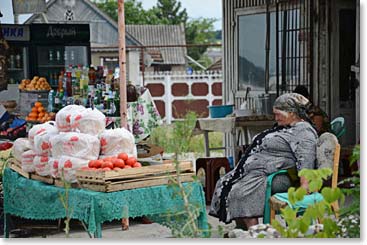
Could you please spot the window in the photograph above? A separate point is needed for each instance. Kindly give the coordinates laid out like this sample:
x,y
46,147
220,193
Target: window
x,y
110,62
290,47
251,49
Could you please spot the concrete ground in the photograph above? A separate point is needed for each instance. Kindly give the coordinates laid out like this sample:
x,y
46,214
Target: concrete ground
x,y
112,230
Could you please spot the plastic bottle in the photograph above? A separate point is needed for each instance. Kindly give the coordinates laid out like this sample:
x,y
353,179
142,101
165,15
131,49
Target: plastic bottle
x,y
51,100
61,80
64,98
51,55
74,82
18,61
68,81
57,101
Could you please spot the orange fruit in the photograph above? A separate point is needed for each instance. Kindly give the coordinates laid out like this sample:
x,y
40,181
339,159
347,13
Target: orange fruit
x,y
33,114
38,104
41,109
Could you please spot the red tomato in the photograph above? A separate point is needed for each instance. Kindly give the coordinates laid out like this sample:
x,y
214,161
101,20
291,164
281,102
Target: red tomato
x,y
130,161
127,166
106,169
123,156
137,165
91,164
68,164
116,168
98,163
107,159
107,164
118,163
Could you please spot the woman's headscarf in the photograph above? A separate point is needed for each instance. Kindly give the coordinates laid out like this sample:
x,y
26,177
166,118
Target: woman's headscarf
x,y
293,102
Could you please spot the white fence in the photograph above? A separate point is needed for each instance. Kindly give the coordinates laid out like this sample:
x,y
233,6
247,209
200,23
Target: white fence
x,y
178,92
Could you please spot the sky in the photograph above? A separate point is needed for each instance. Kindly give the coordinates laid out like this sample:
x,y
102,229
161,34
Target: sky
x,y
194,8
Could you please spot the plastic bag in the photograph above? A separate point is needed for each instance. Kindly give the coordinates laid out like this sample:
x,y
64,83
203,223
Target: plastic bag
x,y
42,145
41,165
47,127
53,165
20,146
64,116
27,161
68,166
89,121
75,145
115,141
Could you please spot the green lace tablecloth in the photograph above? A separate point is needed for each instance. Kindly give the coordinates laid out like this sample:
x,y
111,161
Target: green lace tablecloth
x,y
32,199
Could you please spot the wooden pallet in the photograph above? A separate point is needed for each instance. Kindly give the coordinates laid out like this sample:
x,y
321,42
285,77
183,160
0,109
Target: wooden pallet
x,y
132,178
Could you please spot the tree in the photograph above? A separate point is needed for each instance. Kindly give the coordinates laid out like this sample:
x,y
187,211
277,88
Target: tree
x,y
169,12
134,11
199,31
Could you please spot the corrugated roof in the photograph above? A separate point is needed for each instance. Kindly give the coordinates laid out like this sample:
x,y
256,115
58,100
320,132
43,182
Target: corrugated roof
x,y
216,66
162,35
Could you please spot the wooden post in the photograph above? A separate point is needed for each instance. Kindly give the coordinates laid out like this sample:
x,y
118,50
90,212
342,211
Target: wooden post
x,y
122,63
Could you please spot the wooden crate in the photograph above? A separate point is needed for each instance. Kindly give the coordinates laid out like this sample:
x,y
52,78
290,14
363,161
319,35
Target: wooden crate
x,y
17,167
132,178
46,179
59,183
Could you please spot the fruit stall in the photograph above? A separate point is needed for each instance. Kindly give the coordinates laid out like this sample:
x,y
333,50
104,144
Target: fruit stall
x,y
106,178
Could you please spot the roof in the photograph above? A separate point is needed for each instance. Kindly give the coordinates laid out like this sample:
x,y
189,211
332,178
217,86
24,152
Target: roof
x,y
216,66
162,35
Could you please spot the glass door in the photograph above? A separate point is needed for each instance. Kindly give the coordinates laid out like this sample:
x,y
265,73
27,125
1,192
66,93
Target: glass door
x,y
52,60
17,64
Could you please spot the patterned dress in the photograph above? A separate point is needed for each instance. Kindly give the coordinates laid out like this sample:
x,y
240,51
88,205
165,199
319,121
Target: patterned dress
x,y
241,192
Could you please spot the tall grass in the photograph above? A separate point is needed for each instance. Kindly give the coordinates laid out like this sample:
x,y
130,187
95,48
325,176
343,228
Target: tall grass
x,y
162,136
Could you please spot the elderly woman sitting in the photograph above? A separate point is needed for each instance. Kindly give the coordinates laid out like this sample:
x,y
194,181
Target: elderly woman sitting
x,y
240,194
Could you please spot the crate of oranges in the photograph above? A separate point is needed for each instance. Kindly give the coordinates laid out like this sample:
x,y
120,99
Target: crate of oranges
x,y
39,114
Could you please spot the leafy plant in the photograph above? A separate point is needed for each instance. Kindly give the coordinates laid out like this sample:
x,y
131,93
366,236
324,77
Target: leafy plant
x,y
319,212
185,225
64,199
350,216
164,137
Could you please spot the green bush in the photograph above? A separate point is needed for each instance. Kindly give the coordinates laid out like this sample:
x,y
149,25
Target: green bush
x,y
320,212
350,216
163,135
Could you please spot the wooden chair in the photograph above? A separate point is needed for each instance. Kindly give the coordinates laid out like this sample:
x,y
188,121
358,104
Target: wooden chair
x,y
328,154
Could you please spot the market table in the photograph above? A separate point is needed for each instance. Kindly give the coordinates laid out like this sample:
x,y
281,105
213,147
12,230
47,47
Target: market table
x,y
32,199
